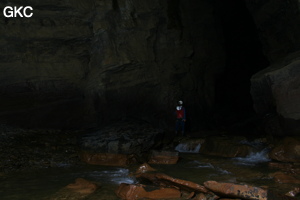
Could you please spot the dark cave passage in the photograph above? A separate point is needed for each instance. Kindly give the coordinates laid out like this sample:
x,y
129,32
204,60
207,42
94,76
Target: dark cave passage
x,y
244,57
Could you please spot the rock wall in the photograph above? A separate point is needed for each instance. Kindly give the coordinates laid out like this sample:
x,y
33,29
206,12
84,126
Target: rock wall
x,y
277,23
147,55
275,90
43,63
86,63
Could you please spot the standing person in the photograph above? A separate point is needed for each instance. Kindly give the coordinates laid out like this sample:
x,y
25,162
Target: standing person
x,y
180,118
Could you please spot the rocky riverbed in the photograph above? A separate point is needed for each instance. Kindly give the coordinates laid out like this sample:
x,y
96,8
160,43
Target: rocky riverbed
x,y
200,166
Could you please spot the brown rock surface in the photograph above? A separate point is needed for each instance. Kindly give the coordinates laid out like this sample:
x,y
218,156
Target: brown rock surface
x,y
275,196
224,147
286,167
144,168
200,196
287,151
79,190
293,192
281,177
163,157
82,186
134,192
236,190
165,180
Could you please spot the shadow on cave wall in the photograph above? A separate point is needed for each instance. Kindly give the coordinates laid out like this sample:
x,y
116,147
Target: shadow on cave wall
x,y
244,57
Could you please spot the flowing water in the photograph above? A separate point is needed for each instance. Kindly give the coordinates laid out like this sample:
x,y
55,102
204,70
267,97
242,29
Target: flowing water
x,y
40,184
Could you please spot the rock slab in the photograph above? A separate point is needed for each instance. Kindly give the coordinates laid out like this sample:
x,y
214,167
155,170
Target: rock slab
x,y
134,192
237,191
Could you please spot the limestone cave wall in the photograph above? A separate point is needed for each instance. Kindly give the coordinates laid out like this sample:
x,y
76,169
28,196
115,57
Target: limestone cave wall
x,y
85,63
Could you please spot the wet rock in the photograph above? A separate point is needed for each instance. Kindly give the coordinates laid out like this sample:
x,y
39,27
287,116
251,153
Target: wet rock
x,y
134,192
125,137
144,168
165,180
191,195
228,199
236,190
189,145
76,191
200,196
83,186
281,177
224,147
293,192
273,195
286,167
108,159
163,157
279,165
287,150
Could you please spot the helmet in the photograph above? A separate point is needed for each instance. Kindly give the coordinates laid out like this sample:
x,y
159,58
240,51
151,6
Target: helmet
x,y
180,102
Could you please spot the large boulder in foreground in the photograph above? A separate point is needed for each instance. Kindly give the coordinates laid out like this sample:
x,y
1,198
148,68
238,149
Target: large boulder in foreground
x,y
276,92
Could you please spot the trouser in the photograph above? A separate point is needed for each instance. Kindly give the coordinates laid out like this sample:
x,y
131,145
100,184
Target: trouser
x,y
179,126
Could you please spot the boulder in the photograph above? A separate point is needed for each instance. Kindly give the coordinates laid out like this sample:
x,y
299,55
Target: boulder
x,y
165,180
293,192
276,94
273,195
236,190
200,196
144,168
163,157
134,192
108,159
287,150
